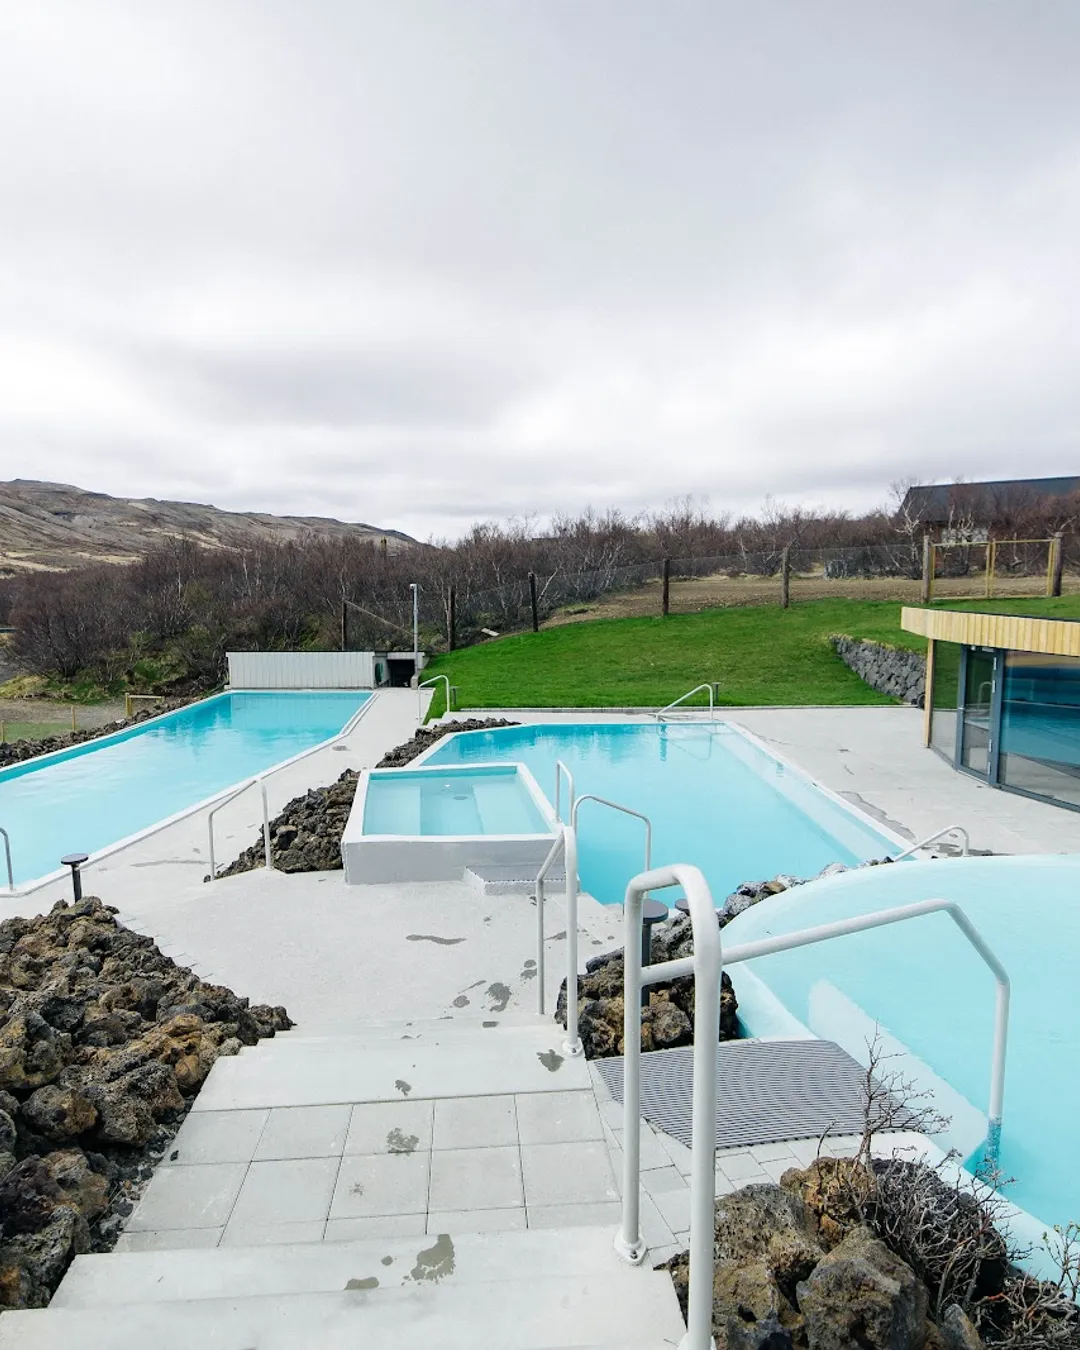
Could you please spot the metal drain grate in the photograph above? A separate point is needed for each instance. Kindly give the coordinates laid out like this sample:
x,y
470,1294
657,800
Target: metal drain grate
x,y
767,1091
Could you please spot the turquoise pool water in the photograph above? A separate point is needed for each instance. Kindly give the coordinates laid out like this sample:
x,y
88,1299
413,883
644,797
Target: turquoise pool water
x,y
929,991
84,799
714,799
494,800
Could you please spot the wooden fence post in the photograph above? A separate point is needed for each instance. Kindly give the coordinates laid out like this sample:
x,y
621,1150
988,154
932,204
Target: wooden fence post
x,y
532,602
927,567
665,605
785,577
344,626
451,619
1057,562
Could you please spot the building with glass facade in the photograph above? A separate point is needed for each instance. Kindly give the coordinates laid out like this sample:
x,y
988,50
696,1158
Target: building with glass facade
x,y
1003,698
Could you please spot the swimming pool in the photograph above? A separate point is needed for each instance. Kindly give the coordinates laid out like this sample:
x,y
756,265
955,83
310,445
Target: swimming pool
x,y
714,797
933,999
94,795
490,799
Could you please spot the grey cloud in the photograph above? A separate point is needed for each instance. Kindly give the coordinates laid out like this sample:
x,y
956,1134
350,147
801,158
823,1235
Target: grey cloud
x,y
419,263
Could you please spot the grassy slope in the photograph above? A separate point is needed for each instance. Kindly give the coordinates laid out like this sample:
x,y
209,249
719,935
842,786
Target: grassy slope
x,y
760,655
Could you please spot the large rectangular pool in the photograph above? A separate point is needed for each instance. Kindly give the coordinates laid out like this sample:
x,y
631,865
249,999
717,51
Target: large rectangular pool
x,y
91,796
714,797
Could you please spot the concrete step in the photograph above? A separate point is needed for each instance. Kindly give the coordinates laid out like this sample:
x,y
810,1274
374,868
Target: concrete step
x,y
321,1072
505,879
442,1031
522,1314
315,1268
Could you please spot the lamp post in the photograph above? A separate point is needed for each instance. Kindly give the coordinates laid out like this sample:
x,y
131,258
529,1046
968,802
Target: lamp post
x,y
415,628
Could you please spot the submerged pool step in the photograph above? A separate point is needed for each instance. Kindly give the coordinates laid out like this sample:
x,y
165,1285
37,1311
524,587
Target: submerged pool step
x,y
507,879
310,1268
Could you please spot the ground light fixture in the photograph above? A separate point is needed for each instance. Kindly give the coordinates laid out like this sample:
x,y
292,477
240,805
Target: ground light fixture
x,y
75,861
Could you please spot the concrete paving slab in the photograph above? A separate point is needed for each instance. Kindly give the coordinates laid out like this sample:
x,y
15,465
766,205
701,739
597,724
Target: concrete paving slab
x,y
218,1137
390,1183
558,1117
304,1132
296,1190
476,1178
390,1127
189,1197
475,1122
567,1174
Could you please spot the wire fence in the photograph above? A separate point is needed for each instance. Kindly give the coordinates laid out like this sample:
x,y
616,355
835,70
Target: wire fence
x,y
459,616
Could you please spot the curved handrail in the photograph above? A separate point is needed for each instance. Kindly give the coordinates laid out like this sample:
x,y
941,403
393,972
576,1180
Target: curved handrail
x,y
690,694
434,679
706,964
565,843
561,771
7,855
930,838
266,822
616,806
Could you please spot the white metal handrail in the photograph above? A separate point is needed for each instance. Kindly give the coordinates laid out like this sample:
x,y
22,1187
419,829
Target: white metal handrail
x,y
351,723
7,856
938,834
266,822
706,965
566,844
423,685
561,772
709,689
616,806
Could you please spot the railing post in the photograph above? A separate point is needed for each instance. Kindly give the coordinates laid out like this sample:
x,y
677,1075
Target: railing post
x,y
572,1044
629,1243
268,855
7,855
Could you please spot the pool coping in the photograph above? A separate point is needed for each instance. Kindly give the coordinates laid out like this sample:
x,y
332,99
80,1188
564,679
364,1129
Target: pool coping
x,y
36,883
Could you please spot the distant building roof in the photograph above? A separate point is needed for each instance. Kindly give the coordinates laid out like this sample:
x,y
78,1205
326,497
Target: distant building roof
x,y
936,503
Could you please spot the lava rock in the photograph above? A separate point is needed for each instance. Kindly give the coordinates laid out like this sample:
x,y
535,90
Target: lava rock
x,y
862,1294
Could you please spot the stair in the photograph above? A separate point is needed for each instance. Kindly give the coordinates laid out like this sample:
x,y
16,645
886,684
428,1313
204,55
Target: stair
x,y
524,1288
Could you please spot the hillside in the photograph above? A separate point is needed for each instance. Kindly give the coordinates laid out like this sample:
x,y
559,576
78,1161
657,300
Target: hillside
x,y
53,526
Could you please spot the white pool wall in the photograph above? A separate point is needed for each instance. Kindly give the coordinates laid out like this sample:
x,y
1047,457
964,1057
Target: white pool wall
x,y
381,858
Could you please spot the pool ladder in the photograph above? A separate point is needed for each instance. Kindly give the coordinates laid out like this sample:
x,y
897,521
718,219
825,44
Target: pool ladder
x,y
7,858
712,690
266,822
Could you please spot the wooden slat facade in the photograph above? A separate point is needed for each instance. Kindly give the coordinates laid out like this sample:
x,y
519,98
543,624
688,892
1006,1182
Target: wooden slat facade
x,y
1055,637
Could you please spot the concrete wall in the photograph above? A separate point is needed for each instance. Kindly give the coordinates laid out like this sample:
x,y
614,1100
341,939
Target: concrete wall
x,y
886,669
301,670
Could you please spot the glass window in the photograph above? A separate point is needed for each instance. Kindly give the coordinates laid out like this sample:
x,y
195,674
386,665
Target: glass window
x,y
943,697
1040,725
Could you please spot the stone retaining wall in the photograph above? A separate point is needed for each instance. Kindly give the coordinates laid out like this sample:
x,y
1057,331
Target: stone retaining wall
x,y
889,670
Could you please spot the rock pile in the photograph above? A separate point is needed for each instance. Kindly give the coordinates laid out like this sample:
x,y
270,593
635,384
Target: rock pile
x,y
14,752
889,670
428,736
306,836
104,1042
667,1021
812,1263
669,1018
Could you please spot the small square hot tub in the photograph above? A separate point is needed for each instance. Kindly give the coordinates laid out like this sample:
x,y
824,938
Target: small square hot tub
x,y
429,824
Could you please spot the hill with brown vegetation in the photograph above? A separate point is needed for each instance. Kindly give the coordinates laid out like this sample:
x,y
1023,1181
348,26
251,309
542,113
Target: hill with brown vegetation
x,y
54,527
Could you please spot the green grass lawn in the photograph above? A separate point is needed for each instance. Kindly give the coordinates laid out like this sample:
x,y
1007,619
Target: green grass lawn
x,y
762,655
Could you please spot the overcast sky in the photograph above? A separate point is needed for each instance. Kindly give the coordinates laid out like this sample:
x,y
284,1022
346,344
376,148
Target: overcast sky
x,y
420,261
